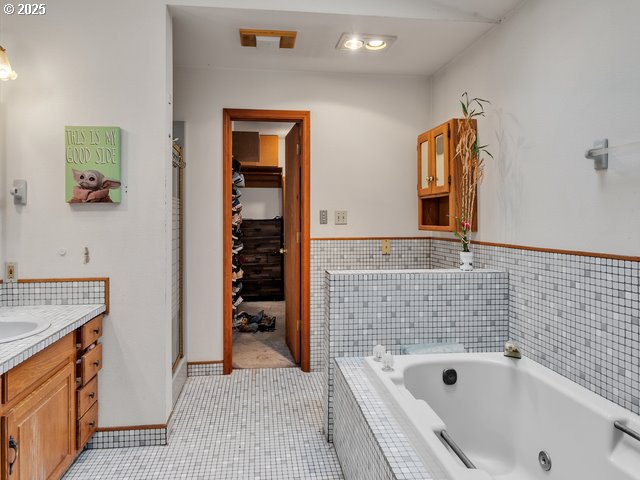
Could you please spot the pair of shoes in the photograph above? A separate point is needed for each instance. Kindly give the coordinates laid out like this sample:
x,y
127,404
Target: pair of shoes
x,y
235,193
248,327
237,248
237,289
237,275
236,166
267,324
237,208
238,301
236,219
235,202
238,179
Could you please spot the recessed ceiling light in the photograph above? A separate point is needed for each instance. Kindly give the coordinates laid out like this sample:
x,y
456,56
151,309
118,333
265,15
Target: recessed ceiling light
x,y
376,44
353,44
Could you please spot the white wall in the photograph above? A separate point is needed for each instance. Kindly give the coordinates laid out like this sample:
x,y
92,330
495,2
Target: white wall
x,y
363,134
560,74
261,203
92,66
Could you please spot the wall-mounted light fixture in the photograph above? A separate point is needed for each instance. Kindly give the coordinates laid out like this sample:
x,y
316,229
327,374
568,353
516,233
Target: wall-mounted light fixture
x,y
6,72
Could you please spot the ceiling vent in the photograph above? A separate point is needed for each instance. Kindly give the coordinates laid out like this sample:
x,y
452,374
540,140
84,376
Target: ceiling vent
x,y
264,38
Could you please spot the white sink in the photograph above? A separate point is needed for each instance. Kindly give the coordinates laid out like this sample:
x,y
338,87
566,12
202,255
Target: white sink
x,y
20,327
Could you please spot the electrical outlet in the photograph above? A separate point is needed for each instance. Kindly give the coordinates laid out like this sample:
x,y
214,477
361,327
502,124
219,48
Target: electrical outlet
x,y
386,247
11,272
341,217
324,218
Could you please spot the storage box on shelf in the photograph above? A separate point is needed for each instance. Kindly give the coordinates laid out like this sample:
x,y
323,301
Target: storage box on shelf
x,y
50,406
439,176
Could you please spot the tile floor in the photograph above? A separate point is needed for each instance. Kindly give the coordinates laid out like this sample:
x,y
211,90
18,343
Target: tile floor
x,y
253,424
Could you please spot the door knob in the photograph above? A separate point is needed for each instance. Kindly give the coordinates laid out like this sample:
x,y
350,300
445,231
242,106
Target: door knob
x,y
282,251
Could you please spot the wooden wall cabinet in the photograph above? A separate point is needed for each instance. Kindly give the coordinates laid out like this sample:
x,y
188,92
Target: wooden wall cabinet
x,y
50,406
246,146
438,178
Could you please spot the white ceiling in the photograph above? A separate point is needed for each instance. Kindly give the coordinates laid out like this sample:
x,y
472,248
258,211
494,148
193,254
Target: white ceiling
x,y
264,128
208,37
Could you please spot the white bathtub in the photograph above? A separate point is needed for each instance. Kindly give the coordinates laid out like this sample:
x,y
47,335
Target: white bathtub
x,y
502,412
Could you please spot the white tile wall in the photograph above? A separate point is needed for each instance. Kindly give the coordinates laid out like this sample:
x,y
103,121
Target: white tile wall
x,y
578,315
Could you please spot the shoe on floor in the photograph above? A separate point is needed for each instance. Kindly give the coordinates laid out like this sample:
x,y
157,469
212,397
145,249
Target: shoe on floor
x,y
268,324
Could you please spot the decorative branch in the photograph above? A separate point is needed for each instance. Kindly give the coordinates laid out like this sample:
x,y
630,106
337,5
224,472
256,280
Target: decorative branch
x,y
469,154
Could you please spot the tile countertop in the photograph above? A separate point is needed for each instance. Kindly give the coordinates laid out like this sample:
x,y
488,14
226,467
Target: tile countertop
x,y
64,319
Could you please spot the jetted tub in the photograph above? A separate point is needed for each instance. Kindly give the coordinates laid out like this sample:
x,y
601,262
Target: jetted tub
x,y
502,412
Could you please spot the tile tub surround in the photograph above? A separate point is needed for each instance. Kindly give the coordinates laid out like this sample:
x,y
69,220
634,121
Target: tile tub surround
x,y
354,254
578,315
404,307
251,424
371,441
64,320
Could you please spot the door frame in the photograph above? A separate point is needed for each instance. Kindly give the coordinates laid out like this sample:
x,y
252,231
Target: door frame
x,y
303,117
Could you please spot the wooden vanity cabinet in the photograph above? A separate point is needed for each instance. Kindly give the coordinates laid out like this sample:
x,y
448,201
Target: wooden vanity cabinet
x,y
49,406
39,432
439,177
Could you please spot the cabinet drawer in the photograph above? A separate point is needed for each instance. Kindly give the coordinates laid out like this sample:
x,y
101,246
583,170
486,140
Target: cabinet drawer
x,y
87,425
262,228
90,364
90,332
33,371
87,396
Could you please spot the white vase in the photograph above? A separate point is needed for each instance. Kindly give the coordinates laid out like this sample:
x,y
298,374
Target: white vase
x,y
466,261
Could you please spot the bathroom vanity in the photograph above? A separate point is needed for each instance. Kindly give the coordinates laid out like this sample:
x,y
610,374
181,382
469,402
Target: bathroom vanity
x,y
49,391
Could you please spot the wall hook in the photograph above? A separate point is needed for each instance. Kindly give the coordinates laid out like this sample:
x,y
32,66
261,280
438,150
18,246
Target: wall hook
x,y
599,154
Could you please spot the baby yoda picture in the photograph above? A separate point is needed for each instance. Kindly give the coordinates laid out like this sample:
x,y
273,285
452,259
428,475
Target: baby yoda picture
x,y
92,165
92,187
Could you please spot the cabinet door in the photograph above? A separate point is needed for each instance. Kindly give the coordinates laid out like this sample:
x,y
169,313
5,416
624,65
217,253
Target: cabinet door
x,y
424,161
38,433
440,158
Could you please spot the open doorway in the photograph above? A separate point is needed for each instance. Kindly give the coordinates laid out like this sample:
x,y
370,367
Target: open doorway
x,y
266,174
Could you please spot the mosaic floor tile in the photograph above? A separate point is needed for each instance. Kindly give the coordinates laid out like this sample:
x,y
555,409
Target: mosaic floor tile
x,y
253,424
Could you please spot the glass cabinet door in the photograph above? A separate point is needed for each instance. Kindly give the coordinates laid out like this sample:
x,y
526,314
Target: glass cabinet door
x,y
440,157
424,164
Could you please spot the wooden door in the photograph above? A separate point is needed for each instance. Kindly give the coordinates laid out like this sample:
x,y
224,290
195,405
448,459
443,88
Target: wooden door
x,y
39,432
292,237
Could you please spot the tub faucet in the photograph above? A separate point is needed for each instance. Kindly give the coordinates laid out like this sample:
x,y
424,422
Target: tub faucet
x,y
511,349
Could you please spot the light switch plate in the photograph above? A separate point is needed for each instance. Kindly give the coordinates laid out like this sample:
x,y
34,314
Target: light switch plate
x,y
10,272
386,247
324,218
341,217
